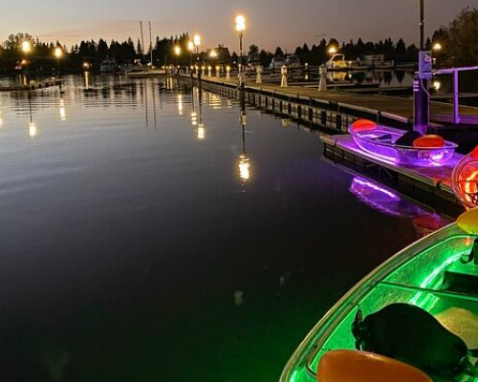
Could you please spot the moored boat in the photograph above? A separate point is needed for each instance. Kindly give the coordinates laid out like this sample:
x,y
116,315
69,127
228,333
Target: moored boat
x,y
385,143
426,295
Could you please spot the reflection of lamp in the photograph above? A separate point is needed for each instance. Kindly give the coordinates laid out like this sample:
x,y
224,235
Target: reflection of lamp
x,y
32,129
244,168
62,110
180,104
1,120
201,132
244,160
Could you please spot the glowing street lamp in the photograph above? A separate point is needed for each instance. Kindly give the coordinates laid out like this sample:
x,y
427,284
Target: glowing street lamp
x,y
177,50
26,47
437,47
213,54
58,53
240,27
333,50
197,42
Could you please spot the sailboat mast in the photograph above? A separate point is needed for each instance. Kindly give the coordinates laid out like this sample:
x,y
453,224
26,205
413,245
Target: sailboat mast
x,y
142,39
150,44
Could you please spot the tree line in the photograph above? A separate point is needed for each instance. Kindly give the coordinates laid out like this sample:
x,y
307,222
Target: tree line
x,y
459,42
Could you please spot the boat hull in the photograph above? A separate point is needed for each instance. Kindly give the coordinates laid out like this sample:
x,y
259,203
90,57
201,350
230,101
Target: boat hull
x,y
414,276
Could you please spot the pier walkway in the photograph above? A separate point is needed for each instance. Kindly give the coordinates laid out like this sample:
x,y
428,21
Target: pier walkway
x,y
399,107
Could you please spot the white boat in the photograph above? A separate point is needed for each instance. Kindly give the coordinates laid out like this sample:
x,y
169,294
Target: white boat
x,y
337,61
108,66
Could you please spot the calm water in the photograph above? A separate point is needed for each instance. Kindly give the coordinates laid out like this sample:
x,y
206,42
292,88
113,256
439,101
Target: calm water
x,y
145,238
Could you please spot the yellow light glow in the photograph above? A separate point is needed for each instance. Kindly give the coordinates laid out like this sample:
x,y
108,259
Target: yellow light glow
x,y
32,129
190,46
437,47
228,68
177,50
332,50
209,67
180,104
194,118
26,47
1,120
240,23
58,52
244,168
197,40
62,110
201,132
213,53
437,85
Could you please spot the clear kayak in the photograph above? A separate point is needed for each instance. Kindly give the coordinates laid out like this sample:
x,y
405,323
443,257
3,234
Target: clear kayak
x,y
437,274
380,142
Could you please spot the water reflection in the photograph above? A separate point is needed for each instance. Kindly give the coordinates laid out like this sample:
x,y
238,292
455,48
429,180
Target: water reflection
x,y
32,127
391,203
244,161
62,110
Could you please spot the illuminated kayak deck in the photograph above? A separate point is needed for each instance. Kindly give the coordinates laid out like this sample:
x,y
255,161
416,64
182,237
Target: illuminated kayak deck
x,y
419,276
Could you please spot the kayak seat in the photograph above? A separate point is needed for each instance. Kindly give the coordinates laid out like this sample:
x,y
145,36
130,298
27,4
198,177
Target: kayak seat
x,y
360,366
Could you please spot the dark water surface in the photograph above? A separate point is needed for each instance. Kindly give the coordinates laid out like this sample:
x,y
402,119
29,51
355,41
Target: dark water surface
x,y
132,249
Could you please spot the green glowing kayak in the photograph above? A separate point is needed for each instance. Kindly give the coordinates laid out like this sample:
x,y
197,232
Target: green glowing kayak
x,y
437,274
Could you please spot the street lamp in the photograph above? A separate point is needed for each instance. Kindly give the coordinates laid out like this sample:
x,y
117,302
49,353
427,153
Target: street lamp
x,y
437,47
213,54
240,27
26,47
197,42
177,52
332,50
58,53
190,47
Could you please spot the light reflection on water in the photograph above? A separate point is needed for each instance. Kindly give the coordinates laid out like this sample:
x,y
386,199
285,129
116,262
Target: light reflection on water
x,y
154,232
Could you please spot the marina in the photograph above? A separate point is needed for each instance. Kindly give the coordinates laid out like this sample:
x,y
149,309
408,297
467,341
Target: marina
x,y
225,194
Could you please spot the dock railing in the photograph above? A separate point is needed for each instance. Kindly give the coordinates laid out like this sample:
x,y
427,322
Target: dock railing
x,y
456,87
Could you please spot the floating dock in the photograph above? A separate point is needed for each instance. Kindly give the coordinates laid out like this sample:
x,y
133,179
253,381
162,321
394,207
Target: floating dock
x,y
34,85
334,109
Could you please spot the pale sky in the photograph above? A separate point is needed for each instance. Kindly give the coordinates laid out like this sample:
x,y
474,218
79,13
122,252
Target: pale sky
x,y
287,23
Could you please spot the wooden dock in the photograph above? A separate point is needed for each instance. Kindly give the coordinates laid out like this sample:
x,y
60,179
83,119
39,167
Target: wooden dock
x,y
34,85
375,107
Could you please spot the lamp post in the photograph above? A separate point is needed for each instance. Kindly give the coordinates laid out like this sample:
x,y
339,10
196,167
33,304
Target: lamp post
x,y
26,49
177,53
191,51
421,93
58,53
241,27
197,43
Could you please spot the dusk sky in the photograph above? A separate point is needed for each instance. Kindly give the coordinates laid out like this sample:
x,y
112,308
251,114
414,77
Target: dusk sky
x,y
287,23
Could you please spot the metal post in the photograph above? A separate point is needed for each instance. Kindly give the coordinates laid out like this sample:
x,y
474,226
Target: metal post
x,y
456,97
422,24
240,61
